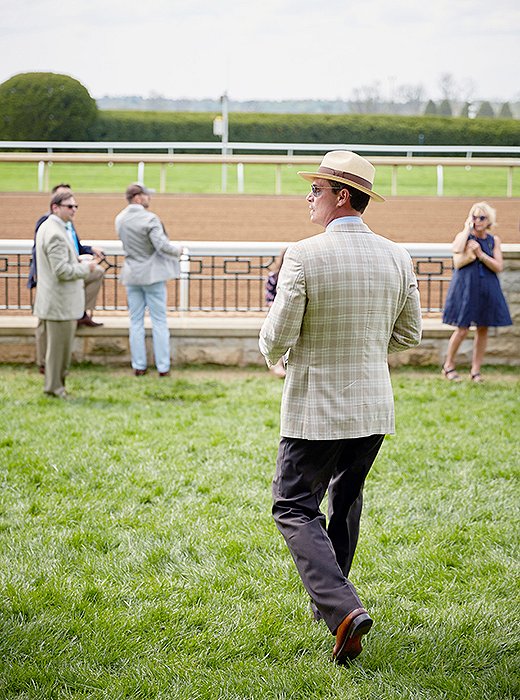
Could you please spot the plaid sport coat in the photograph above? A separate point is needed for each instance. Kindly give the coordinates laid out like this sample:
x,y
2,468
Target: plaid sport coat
x,y
345,299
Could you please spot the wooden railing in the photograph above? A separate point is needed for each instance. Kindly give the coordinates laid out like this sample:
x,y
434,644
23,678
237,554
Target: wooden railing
x,y
43,160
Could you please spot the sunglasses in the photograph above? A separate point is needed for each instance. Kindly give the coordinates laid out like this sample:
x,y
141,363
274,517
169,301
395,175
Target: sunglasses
x,y
479,218
316,191
70,206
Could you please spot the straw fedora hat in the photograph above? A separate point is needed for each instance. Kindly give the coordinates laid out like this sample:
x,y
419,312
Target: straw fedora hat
x,y
349,168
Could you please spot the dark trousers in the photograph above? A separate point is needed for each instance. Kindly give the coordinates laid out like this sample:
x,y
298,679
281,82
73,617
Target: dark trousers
x,y
323,554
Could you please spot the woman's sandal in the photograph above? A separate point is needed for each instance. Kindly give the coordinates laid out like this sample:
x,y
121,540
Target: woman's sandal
x,y
476,378
451,374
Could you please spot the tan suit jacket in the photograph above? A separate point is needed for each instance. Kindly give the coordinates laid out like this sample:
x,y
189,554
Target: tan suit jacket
x,y
345,299
60,293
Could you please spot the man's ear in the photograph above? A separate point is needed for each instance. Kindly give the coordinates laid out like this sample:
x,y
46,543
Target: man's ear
x,y
343,197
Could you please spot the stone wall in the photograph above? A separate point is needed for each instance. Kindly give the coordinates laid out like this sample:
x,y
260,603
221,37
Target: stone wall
x,y
233,340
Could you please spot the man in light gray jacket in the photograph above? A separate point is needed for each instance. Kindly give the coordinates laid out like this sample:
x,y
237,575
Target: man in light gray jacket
x,y
151,259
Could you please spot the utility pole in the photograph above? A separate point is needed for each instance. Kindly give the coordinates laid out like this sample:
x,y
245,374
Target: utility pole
x,y
220,128
225,138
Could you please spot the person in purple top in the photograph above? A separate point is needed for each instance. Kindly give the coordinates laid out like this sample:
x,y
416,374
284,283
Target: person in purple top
x,y
270,293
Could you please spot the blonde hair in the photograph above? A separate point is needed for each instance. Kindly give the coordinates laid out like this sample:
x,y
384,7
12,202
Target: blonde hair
x,y
486,209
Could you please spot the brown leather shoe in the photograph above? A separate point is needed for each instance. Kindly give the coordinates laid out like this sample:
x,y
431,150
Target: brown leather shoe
x,y
164,374
348,636
140,372
86,320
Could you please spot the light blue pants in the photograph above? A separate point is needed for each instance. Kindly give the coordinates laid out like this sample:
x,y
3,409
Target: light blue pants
x,y
153,297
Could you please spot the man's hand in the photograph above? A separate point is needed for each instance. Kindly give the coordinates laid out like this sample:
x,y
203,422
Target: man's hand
x,y
98,253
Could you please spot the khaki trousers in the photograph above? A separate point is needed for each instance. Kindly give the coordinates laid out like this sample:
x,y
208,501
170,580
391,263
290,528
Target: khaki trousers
x,y
92,286
60,337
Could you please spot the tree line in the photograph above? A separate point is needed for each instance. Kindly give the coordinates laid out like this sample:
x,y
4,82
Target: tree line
x,y
56,107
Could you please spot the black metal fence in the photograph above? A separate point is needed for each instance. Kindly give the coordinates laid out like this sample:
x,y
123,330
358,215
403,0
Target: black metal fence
x,y
209,282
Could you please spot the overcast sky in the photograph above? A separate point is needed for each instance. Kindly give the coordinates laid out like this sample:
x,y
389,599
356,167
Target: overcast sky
x,y
266,49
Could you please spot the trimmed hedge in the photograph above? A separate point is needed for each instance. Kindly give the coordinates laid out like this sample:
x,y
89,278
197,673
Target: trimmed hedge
x,y
308,128
45,107
155,126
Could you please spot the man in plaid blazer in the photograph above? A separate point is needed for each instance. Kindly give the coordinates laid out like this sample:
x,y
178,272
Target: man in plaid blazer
x,y
345,299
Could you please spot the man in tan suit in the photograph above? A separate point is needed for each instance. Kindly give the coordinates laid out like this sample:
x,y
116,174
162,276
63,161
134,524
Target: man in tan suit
x,y
92,283
60,294
345,299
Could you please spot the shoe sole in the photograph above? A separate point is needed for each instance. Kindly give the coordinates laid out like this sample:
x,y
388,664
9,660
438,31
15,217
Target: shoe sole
x,y
352,647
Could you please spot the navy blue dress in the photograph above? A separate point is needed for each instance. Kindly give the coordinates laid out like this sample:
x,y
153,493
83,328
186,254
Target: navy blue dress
x,y
474,296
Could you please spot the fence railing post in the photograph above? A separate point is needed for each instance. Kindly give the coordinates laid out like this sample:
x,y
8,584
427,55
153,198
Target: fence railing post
x,y
162,179
278,179
140,172
184,281
393,188
41,175
240,178
440,180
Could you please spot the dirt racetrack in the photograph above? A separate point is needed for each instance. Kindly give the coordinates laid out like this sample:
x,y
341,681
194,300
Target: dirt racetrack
x,y
258,218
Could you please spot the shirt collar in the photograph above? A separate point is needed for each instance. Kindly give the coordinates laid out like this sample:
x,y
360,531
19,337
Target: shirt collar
x,y
344,220
57,218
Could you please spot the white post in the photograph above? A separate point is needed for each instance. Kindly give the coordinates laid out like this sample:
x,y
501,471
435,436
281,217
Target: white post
x,y
162,179
225,134
440,180
393,189
41,173
240,178
184,281
140,173
278,179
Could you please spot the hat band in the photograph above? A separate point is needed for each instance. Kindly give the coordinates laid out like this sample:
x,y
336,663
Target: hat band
x,y
346,176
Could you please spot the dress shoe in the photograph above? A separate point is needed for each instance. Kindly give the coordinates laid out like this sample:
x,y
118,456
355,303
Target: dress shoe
x,y
59,394
140,372
164,374
86,320
348,636
41,369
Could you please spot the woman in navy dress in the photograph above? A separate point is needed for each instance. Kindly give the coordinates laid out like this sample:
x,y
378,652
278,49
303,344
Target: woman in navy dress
x,y
474,297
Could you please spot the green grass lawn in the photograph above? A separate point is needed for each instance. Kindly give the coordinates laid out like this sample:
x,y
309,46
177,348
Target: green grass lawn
x,y
138,558
258,179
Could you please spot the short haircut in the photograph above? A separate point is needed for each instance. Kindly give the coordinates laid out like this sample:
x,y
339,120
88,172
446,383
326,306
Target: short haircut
x,y
60,197
134,189
358,200
62,185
